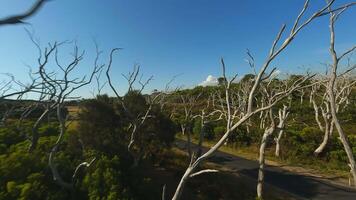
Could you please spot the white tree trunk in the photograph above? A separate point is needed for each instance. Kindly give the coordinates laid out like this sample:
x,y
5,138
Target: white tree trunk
x,y
282,115
346,145
278,147
331,93
325,139
189,148
261,161
182,183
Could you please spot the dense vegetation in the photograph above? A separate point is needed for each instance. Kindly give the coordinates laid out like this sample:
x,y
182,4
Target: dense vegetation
x,y
101,132
302,135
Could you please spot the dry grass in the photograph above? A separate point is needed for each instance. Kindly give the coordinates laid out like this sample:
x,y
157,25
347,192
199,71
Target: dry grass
x,y
73,111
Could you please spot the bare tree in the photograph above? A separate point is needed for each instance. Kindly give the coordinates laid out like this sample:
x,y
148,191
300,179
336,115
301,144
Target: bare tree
x,y
12,88
321,103
188,102
98,85
324,107
268,91
267,133
302,93
233,124
207,115
5,87
56,88
282,117
137,121
332,93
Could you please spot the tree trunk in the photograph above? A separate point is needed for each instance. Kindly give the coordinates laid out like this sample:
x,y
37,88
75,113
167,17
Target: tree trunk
x,y
278,139
325,139
35,130
261,161
345,143
183,181
330,90
53,166
189,149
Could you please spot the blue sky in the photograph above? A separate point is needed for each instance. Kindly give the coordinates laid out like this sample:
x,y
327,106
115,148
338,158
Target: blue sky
x,y
170,37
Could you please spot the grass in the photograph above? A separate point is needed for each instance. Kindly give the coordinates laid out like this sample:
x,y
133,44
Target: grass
x,y
73,111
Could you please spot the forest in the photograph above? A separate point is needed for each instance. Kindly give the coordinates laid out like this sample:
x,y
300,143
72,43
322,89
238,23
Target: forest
x,y
166,144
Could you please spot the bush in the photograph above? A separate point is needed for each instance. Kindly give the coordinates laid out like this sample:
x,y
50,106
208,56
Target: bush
x,y
219,131
104,180
106,127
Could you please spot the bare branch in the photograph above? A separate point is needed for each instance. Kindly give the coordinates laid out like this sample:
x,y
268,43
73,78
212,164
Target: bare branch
x,y
203,172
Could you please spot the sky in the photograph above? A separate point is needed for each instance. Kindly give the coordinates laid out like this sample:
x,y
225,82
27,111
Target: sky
x,y
171,37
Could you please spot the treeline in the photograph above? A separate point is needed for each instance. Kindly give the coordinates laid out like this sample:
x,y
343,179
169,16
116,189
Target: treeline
x,y
302,135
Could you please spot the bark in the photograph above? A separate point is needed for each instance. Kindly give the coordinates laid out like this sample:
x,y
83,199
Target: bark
x,y
316,111
189,148
248,128
56,176
324,142
261,160
182,183
329,127
278,139
260,179
302,96
327,130
35,127
344,141
283,114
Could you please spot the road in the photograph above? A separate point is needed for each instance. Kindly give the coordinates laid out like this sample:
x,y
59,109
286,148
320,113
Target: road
x,y
300,186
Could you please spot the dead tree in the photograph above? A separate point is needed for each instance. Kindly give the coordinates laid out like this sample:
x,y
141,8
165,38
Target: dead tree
x,y
98,85
188,102
233,124
11,88
302,93
268,90
57,87
321,103
137,121
261,159
324,108
331,85
16,89
282,117
242,93
207,115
